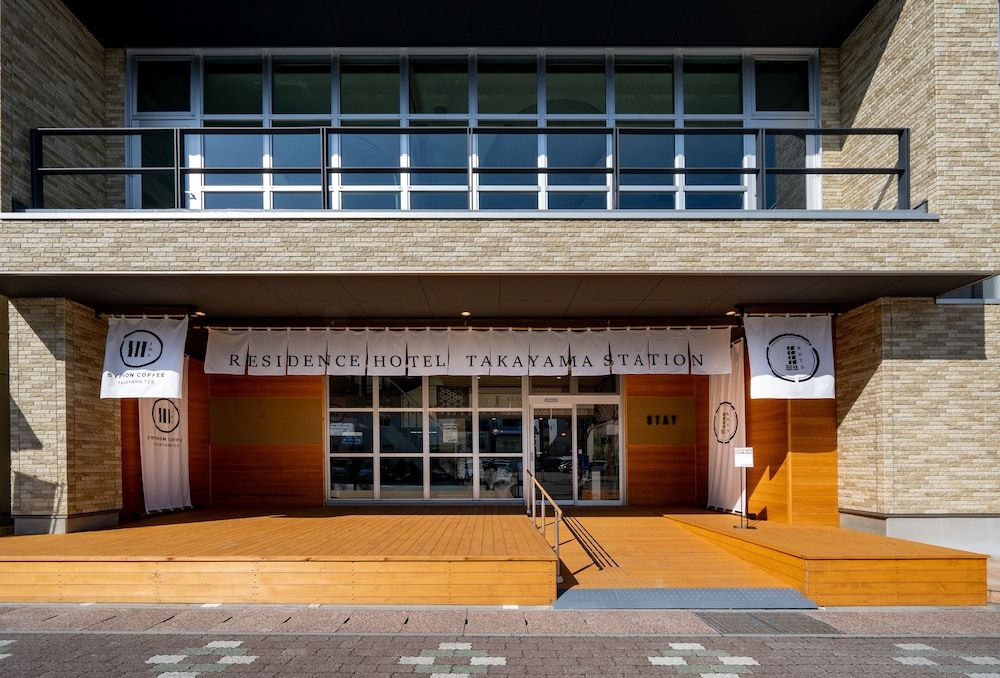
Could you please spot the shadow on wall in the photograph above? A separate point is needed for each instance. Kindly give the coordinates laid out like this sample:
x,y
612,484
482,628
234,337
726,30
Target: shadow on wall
x,y
45,322
37,497
863,70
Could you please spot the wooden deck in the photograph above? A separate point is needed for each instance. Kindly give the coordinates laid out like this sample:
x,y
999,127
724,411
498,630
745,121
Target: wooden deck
x,y
835,566
465,556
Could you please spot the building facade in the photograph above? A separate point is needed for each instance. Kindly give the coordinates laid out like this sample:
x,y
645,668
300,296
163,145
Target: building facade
x,y
653,166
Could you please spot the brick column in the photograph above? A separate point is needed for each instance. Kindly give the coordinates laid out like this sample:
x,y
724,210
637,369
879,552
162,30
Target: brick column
x,y
65,441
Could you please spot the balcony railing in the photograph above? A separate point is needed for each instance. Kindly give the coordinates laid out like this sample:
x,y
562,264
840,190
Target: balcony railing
x,y
469,168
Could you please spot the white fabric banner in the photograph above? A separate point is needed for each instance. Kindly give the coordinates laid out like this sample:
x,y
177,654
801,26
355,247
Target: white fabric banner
x,y
548,353
227,352
629,352
726,401
144,358
348,352
590,352
469,352
668,351
163,449
307,352
387,353
509,350
426,352
268,352
709,350
790,357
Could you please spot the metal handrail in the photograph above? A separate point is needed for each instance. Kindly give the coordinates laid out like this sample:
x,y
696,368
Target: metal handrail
x,y
180,169
556,512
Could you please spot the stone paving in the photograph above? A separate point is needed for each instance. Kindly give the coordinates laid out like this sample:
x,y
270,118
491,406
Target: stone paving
x,y
53,641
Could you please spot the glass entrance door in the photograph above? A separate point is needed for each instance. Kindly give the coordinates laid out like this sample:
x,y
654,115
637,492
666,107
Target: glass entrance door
x,y
578,449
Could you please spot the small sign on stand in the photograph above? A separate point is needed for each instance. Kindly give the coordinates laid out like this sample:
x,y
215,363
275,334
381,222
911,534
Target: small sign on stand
x,y
743,459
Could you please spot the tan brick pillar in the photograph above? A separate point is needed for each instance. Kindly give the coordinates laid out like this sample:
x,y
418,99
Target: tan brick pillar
x,y
65,442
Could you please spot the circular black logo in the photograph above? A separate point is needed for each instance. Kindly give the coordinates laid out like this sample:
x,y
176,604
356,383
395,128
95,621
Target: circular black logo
x,y
792,357
166,416
140,348
725,423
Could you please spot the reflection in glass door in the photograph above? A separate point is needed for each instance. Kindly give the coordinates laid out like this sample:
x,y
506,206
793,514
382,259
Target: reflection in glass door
x,y
553,445
577,451
597,445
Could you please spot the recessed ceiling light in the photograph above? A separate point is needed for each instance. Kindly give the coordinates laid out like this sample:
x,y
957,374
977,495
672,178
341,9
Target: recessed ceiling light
x,y
732,311
198,314
465,314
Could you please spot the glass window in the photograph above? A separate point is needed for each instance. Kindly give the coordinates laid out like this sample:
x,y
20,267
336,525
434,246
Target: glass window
x,y
233,150
644,86
439,201
369,86
449,392
451,478
499,392
350,391
507,86
638,150
575,86
351,432
451,432
163,86
508,201
713,201
713,150
508,150
440,151
580,151
500,478
157,150
297,201
401,477
370,201
712,86
400,392
233,85
782,85
646,201
439,86
499,433
401,432
550,385
578,201
233,201
785,191
351,478
604,383
369,150
296,150
300,85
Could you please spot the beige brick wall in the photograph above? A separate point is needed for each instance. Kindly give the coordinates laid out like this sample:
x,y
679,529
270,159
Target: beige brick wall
x,y
65,441
4,411
443,245
917,385
53,73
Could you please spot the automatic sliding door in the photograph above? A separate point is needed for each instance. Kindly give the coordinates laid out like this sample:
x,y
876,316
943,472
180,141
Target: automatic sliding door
x,y
553,445
598,445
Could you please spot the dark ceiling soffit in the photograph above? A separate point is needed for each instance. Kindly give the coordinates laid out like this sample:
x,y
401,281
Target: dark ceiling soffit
x,y
460,23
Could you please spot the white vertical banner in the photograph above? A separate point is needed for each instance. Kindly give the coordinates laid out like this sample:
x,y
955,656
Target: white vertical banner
x,y
144,358
426,352
307,352
548,353
227,351
268,352
348,351
387,353
727,417
709,350
509,350
163,450
668,351
469,352
790,356
590,352
630,351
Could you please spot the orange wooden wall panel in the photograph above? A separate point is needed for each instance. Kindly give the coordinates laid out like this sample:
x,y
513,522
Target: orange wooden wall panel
x,y
812,426
271,474
132,500
767,481
668,474
199,454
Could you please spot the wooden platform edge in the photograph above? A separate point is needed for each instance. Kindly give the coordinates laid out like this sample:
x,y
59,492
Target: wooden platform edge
x,y
863,581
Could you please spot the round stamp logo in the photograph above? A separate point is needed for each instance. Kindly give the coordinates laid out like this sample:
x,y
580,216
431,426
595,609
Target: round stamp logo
x,y
792,357
725,422
140,348
166,416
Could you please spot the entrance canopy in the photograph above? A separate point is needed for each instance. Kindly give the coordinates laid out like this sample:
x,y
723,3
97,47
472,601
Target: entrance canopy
x,y
444,23
363,300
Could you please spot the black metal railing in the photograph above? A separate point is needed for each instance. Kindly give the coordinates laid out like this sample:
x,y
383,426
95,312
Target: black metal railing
x,y
618,166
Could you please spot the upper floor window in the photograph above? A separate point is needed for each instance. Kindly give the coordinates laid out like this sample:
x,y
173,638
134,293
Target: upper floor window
x,y
551,129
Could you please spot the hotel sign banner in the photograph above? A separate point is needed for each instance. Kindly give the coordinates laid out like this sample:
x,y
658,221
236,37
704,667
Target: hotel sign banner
x,y
144,358
511,352
790,356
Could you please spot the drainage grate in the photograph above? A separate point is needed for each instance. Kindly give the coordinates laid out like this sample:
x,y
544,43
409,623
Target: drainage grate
x,y
684,599
740,623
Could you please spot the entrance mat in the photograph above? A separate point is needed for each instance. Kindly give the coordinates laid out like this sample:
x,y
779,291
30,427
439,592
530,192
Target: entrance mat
x,y
770,623
683,599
